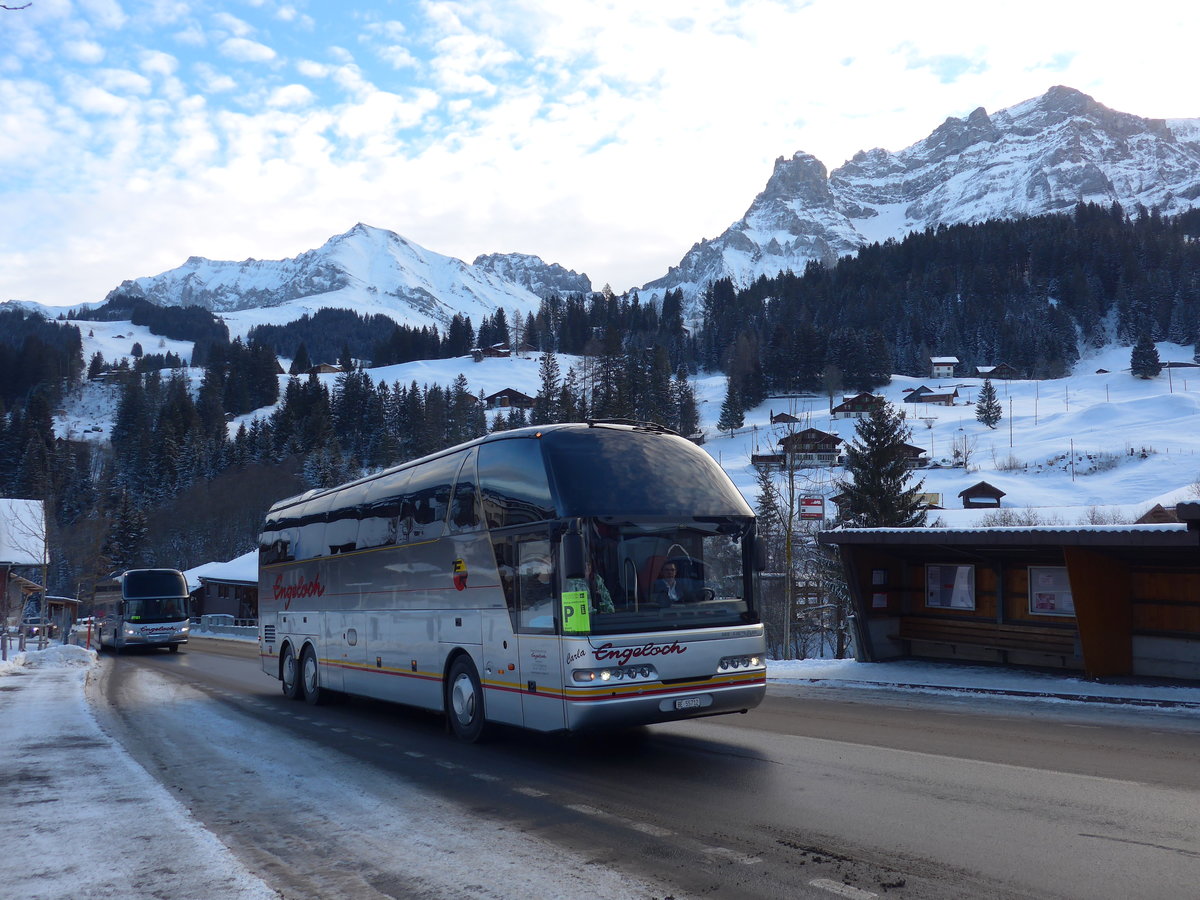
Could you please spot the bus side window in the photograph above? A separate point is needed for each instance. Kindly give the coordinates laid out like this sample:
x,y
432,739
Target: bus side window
x,y
513,486
535,587
430,496
464,506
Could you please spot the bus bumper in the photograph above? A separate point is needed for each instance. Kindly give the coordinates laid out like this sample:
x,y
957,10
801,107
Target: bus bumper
x,y
601,711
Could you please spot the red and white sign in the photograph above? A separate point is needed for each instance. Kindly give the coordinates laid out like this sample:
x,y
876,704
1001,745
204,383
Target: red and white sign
x,y
812,507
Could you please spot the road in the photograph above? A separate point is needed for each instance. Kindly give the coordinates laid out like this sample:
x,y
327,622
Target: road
x,y
820,792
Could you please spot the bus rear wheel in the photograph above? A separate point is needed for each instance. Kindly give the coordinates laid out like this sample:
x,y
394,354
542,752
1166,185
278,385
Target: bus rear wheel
x,y
310,677
289,674
464,701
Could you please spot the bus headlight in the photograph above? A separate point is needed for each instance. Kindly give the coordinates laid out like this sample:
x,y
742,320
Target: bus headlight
x,y
730,663
622,673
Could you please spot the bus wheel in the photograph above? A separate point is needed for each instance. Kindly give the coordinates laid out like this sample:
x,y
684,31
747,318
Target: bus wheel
x,y
464,701
310,677
289,674
174,648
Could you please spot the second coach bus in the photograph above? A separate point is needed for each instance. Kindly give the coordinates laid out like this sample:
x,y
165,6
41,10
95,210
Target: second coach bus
x,y
559,578
142,608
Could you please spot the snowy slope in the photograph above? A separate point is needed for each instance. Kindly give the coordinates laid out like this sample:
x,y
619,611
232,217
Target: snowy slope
x,y
1136,442
1041,156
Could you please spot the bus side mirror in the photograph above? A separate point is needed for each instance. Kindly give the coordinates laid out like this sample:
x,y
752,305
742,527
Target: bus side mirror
x,y
572,555
760,556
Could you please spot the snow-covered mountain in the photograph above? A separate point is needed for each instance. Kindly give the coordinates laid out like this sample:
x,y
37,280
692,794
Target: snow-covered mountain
x,y
531,273
1041,156
369,270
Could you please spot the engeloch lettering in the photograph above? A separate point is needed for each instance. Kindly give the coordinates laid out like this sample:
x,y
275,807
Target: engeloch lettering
x,y
292,592
624,654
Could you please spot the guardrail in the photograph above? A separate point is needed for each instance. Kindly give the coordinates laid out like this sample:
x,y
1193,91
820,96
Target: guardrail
x,y
224,624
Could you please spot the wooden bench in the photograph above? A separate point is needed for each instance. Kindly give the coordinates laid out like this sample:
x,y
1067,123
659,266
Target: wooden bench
x,y
989,635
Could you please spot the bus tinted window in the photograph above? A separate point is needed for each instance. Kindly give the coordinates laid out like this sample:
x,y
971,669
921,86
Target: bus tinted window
x,y
429,497
513,484
154,583
380,523
310,529
464,505
658,475
341,530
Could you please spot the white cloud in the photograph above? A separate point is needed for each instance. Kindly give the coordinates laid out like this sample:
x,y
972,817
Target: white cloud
x,y
244,50
290,95
84,51
154,62
235,26
605,136
123,80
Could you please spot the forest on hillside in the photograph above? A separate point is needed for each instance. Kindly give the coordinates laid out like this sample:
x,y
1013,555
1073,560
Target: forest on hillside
x,y
174,486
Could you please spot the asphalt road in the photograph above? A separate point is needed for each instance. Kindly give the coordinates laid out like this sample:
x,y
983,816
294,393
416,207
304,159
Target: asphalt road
x,y
820,792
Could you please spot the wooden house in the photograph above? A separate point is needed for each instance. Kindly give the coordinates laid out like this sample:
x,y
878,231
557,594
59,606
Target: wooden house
x,y
783,418
856,407
981,496
507,399
1001,371
942,366
923,394
812,447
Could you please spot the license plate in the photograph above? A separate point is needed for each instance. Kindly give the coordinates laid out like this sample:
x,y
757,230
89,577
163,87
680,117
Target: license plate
x,y
687,703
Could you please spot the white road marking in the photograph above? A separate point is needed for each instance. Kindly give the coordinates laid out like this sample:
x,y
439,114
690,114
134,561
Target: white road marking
x,y
842,890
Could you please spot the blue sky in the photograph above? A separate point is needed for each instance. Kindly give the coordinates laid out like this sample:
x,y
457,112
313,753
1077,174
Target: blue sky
x,y
606,136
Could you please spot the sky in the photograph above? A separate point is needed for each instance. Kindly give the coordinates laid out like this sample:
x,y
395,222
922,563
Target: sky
x,y
606,136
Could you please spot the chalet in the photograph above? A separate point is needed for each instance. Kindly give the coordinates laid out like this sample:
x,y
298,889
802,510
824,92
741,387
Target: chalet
x,y
923,394
783,418
942,366
981,496
914,456
495,351
1158,515
324,369
812,446
856,407
225,588
767,460
1107,601
1002,371
508,398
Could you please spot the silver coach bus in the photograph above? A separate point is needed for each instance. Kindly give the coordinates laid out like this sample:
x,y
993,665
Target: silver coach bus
x,y
142,608
564,577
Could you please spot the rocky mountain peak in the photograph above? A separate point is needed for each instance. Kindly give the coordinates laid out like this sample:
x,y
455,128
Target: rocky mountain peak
x,y
1044,155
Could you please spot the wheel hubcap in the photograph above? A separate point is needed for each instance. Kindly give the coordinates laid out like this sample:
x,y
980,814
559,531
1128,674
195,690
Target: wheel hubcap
x,y
462,697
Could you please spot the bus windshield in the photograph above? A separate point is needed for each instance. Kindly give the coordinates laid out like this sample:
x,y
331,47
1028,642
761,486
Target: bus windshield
x,y
154,595
651,576
161,609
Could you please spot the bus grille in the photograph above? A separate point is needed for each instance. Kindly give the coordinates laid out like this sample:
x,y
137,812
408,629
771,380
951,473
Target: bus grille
x,y
269,634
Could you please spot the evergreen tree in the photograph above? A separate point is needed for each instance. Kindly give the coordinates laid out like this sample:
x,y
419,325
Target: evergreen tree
x,y
545,404
987,407
126,534
732,413
300,363
687,422
1144,361
876,488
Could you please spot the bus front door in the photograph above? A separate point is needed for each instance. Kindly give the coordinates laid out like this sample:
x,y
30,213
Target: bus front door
x,y
538,611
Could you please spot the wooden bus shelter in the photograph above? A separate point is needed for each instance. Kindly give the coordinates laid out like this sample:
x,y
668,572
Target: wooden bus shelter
x,y
1108,601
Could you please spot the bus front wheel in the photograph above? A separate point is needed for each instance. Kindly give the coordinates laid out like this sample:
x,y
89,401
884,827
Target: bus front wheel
x,y
310,677
464,701
289,676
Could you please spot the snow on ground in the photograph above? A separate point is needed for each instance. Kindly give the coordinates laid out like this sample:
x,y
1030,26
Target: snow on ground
x,y
1136,442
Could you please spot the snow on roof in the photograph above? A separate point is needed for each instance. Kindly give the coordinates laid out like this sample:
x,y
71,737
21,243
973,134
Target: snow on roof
x,y
944,360
243,568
